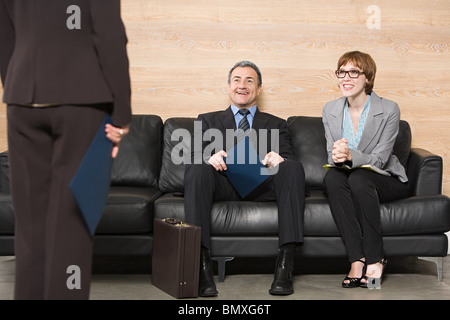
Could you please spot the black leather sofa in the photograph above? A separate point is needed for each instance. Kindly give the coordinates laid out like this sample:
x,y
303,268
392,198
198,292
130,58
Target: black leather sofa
x,y
147,184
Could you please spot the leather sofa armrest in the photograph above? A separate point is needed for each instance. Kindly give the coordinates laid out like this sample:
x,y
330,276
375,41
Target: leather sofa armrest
x,y
4,172
424,170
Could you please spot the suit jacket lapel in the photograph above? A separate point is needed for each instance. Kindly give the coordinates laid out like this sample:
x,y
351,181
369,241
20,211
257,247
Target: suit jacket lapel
x,y
259,121
227,120
260,126
337,112
374,121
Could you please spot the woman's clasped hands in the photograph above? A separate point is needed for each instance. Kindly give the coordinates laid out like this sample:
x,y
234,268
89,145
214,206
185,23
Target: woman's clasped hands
x,y
341,152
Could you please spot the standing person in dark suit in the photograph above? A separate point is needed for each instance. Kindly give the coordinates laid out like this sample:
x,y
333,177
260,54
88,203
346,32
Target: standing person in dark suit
x,y
205,182
64,67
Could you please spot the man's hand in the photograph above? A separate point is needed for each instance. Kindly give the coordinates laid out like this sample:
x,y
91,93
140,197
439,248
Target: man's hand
x,y
217,161
272,159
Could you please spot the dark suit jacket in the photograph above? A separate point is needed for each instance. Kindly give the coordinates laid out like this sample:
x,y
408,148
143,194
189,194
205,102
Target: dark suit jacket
x,y
42,61
263,124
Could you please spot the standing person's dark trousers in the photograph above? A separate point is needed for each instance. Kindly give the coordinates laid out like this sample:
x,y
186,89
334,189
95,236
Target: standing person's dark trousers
x,y
45,150
204,185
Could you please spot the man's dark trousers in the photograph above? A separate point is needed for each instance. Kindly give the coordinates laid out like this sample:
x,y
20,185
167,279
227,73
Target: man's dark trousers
x,y
204,185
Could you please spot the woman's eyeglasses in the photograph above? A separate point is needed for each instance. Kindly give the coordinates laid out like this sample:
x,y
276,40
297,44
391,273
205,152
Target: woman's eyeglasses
x,y
351,73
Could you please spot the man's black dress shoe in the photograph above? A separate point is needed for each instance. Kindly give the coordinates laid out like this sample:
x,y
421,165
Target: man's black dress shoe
x,y
282,283
206,285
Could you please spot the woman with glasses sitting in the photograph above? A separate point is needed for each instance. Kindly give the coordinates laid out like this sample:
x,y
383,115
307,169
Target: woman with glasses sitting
x,y
361,129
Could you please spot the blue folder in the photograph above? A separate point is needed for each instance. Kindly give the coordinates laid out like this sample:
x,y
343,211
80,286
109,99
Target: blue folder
x,y
90,185
244,167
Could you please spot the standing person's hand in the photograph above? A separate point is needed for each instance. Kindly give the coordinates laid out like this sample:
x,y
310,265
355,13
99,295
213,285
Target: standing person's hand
x,y
115,134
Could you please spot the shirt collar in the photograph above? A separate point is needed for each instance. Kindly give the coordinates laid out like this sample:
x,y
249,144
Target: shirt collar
x,y
252,110
366,105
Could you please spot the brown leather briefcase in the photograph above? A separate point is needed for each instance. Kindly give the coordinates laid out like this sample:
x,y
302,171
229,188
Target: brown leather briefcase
x,y
176,257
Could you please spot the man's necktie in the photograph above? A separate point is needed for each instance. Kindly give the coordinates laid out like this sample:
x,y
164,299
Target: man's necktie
x,y
243,124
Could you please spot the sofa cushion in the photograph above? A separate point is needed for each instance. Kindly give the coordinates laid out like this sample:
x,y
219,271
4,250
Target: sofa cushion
x,y
4,172
128,210
411,216
171,178
6,214
402,146
139,158
416,215
309,143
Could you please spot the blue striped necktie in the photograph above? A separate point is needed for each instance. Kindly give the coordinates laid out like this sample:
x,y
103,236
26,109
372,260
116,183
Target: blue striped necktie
x,y
243,124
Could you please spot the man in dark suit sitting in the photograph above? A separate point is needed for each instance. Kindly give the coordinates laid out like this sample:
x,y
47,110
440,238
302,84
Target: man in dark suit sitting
x,y
206,182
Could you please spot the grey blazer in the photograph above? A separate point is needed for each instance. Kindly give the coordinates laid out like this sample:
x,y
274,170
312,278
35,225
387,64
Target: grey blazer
x,y
378,137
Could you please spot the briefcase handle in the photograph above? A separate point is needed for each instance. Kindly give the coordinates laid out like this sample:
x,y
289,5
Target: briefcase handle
x,y
176,222
172,220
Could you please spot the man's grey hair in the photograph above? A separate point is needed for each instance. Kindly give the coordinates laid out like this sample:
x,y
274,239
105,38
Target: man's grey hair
x,y
243,64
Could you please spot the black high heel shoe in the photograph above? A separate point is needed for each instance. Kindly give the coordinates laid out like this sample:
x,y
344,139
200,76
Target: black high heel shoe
x,y
375,283
354,282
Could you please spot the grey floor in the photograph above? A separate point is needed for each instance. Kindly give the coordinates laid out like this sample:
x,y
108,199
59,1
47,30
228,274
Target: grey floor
x,y
129,278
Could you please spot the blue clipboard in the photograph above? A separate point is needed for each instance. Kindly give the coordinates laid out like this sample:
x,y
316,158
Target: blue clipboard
x,y
244,167
91,183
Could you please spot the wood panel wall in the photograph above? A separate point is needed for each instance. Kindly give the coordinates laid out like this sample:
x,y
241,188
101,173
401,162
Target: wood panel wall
x,y
180,53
